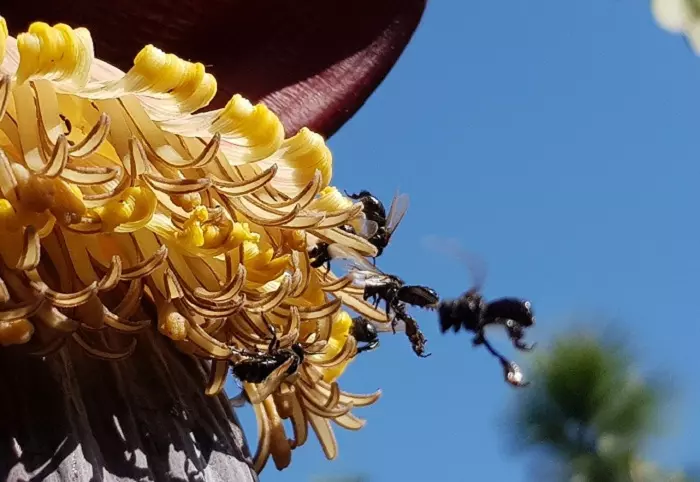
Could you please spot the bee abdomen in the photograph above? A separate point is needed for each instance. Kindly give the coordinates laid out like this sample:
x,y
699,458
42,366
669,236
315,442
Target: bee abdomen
x,y
254,371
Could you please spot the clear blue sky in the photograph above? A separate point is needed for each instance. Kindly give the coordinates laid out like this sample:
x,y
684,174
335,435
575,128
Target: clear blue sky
x,y
560,140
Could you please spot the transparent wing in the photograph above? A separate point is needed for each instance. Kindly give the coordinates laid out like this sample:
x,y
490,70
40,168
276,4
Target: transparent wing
x,y
453,248
357,267
239,400
399,206
271,383
367,228
386,327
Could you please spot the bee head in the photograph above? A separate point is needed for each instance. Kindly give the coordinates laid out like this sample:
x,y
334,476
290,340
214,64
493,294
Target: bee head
x,y
299,351
363,330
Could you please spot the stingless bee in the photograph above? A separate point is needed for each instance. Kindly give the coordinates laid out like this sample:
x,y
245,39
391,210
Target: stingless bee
x,y
266,370
381,286
471,312
387,223
365,331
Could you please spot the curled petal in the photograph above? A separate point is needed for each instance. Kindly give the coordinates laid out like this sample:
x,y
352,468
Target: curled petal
x,y
22,311
111,278
247,186
348,350
4,294
177,186
303,198
262,453
50,347
299,422
65,300
325,435
94,139
103,354
273,299
350,422
228,291
31,250
349,398
5,84
217,377
335,235
122,325
361,307
145,267
332,284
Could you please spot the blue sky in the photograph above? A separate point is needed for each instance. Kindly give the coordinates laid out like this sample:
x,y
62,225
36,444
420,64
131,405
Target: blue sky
x,y
559,141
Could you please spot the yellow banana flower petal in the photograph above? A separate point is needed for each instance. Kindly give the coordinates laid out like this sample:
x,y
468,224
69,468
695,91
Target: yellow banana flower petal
x,y
114,194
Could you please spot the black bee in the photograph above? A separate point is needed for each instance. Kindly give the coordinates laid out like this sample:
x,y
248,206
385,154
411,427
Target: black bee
x,y
381,286
472,313
266,370
372,206
365,332
319,254
387,223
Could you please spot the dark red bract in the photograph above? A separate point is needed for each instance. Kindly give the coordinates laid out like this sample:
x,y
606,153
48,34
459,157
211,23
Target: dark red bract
x,y
313,62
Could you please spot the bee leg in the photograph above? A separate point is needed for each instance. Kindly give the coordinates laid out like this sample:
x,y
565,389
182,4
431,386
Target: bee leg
x,y
374,261
367,347
522,346
372,346
274,345
393,323
478,338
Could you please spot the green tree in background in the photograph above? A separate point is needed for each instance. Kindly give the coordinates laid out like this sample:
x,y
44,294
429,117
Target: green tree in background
x,y
588,413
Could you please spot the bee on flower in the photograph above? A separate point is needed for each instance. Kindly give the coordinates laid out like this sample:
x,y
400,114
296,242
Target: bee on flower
x,y
125,207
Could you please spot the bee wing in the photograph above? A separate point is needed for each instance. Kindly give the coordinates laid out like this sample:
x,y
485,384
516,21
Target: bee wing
x,y
271,383
239,400
360,270
386,327
453,248
368,228
399,206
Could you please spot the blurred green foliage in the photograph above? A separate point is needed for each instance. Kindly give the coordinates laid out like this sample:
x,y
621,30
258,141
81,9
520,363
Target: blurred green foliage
x,y
589,413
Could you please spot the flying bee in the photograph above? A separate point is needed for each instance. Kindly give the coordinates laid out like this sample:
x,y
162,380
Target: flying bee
x,y
319,254
381,286
473,313
266,370
387,223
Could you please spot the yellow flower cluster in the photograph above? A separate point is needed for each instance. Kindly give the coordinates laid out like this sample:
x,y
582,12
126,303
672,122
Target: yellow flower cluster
x,y
116,191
